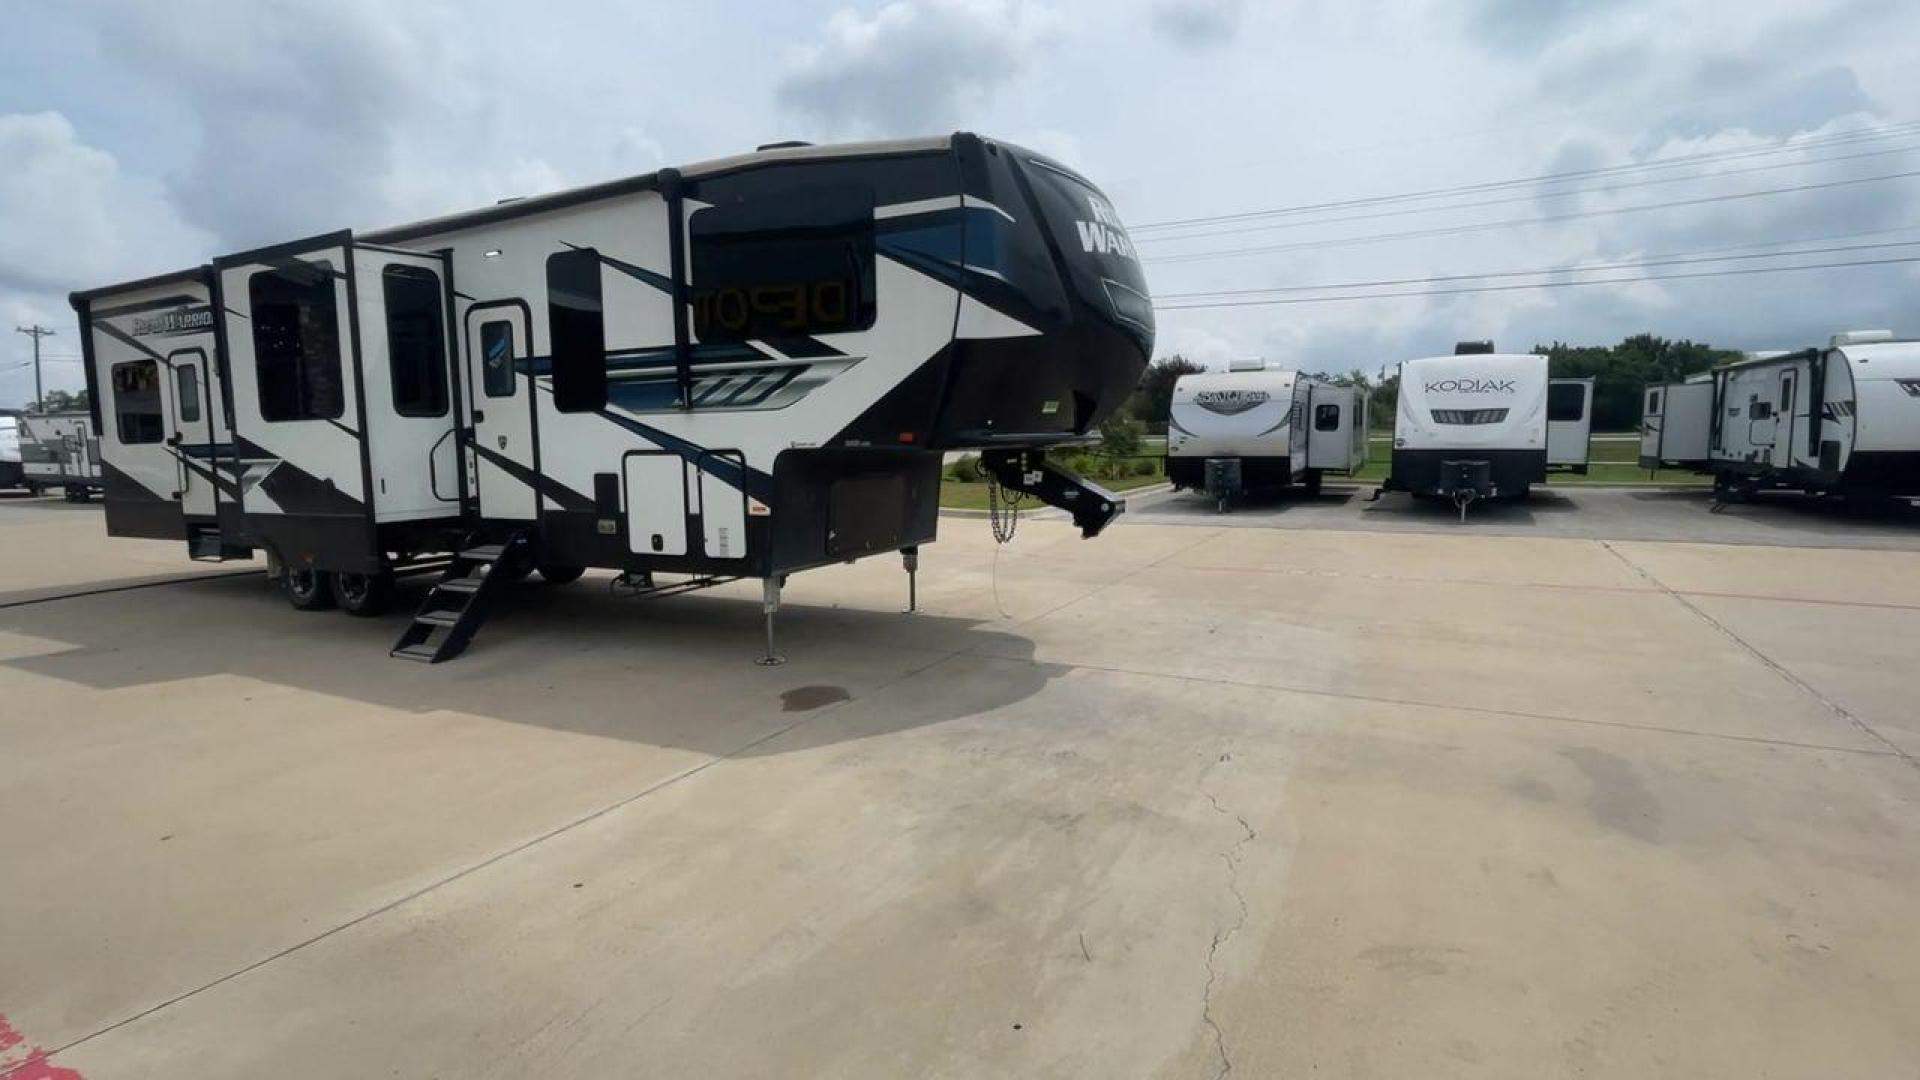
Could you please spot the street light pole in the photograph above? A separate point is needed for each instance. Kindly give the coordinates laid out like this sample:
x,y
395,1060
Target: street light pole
x,y
36,332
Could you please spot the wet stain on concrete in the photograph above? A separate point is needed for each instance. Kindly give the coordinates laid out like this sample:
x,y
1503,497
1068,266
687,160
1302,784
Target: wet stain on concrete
x,y
803,698
1618,799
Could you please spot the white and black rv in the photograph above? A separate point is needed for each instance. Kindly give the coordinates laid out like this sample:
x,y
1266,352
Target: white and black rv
x,y
60,450
739,369
1844,419
1254,428
1470,426
12,474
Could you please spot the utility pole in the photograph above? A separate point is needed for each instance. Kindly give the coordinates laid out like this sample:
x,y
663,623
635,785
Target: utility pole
x,y
36,332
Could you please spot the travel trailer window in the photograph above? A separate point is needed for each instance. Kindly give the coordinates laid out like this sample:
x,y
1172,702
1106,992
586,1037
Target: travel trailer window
x,y
1566,401
1653,403
416,341
136,402
296,344
186,386
1326,417
791,264
577,326
496,357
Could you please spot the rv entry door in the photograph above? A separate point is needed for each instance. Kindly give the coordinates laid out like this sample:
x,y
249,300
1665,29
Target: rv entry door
x,y
1788,430
500,396
192,435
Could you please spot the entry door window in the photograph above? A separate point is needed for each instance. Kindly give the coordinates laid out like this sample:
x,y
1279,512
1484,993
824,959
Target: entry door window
x,y
186,385
496,357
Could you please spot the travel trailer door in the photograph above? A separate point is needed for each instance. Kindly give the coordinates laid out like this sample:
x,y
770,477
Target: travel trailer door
x,y
409,390
500,396
1787,433
191,435
1330,420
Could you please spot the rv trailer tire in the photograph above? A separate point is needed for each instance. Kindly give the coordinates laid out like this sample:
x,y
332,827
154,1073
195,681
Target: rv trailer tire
x,y
365,595
309,589
559,574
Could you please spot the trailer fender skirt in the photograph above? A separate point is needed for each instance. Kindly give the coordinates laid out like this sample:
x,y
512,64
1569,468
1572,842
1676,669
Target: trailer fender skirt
x,y
1028,471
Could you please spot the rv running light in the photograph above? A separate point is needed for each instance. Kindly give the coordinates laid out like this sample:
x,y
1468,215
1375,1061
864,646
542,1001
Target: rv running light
x,y
1911,386
491,253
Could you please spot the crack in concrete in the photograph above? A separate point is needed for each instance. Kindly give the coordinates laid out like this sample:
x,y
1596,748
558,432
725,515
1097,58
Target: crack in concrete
x,y
1231,857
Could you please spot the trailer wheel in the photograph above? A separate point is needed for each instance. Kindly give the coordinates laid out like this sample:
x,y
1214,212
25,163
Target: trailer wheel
x,y
559,574
309,589
365,595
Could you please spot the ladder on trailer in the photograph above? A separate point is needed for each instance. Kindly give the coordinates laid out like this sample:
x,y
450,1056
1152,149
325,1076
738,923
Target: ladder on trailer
x,y
461,600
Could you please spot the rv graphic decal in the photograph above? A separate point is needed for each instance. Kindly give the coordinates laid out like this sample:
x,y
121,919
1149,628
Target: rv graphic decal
x,y
1471,386
1104,234
1230,402
183,320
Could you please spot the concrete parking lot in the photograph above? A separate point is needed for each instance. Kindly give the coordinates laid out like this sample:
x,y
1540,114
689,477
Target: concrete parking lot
x,y
1188,800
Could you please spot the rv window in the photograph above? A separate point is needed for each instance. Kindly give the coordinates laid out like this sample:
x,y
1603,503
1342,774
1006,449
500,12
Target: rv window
x,y
792,264
416,341
296,344
577,329
496,357
186,386
1326,417
136,402
1566,401
1653,403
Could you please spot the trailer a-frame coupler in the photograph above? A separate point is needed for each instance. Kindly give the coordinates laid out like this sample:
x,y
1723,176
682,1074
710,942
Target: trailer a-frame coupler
x,y
1029,472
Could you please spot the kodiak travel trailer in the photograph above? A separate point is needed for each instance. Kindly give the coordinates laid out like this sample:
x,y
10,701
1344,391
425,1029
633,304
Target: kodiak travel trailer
x,y
1844,419
1254,428
59,450
739,369
1471,426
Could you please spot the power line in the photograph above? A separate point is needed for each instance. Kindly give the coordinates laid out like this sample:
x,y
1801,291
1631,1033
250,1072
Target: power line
x,y
1683,259
1458,230
1535,285
1237,230
1815,142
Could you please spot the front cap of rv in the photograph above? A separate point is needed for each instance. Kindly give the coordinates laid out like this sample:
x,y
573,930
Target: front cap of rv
x,y
1486,399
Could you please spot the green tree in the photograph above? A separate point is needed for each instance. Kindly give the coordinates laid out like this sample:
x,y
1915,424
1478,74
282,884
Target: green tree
x,y
1153,398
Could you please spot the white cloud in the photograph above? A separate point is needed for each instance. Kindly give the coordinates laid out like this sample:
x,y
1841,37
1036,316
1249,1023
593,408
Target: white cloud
x,y
1198,24
913,67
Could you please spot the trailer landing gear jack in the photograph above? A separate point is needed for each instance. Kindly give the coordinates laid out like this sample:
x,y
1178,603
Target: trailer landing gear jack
x,y
769,605
910,557
1029,472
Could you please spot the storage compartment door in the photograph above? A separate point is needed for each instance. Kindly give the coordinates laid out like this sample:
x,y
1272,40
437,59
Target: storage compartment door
x,y
723,507
656,492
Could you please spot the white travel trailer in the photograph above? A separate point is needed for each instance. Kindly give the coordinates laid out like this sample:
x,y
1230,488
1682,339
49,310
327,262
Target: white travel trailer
x,y
1470,426
59,450
1843,419
1255,428
740,369
12,475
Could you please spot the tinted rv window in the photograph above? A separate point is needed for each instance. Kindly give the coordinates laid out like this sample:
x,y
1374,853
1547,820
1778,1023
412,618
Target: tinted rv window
x,y
1566,401
496,357
296,344
793,263
577,326
136,402
416,341
186,387
1326,417
1653,403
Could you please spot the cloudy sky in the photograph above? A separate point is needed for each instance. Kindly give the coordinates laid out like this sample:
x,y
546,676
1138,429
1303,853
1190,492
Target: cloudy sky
x,y
137,138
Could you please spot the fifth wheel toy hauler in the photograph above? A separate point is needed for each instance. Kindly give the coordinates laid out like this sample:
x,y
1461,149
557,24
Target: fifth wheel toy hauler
x,y
1844,419
739,369
1253,428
